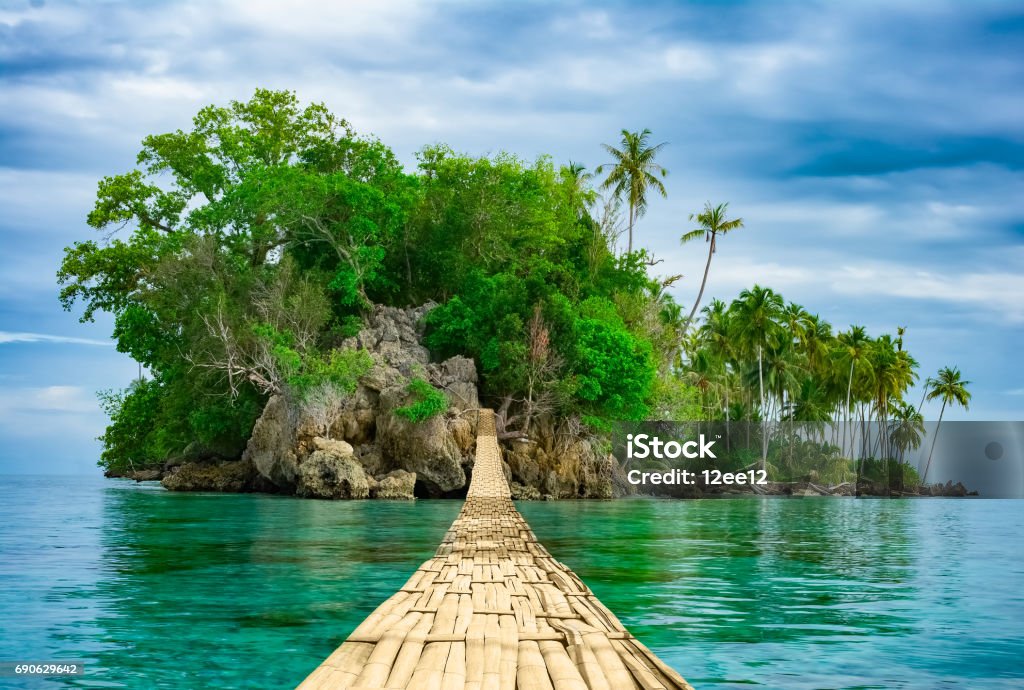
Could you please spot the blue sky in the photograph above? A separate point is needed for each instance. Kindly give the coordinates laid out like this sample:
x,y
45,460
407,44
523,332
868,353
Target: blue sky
x,y
875,151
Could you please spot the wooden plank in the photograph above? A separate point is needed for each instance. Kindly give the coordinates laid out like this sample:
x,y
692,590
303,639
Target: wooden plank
x,y
492,609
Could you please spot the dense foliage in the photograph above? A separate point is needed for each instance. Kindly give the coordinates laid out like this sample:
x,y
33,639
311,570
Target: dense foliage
x,y
762,359
240,254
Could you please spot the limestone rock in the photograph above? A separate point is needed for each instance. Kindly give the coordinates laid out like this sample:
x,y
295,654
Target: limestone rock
x,y
464,433
457,377
339,448
394,334
325,474
562,466
370,458
271,448
426,448
524,493
397,485
150,475
238,476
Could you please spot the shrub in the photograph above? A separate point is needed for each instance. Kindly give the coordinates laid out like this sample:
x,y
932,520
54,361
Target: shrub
x,y
429,402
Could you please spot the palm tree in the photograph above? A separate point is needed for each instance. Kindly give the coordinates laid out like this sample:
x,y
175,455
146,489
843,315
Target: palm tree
x,y
893,372
633,172
853,347
953,390
816,340
577,178
810,403
755,323
716,337
906,429
712,223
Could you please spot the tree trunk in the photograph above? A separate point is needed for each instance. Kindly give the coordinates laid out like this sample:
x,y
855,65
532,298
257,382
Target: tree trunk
x,y
700,293
727,434
629,249
927,466
846,425
764,434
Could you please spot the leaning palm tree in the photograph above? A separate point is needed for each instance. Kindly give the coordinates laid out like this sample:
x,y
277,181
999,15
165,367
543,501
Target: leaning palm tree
x,y
633,173
953,390
712,222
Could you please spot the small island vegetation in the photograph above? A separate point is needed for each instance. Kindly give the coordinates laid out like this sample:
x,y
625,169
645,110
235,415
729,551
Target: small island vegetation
x,y
242,252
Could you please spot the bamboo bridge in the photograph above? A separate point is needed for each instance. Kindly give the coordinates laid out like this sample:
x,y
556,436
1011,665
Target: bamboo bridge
x,y
492,609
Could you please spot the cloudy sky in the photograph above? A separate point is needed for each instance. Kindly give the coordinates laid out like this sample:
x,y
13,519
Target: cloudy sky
x,y
875,151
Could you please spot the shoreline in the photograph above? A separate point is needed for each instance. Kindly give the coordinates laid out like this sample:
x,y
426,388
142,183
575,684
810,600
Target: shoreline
x,y
773,490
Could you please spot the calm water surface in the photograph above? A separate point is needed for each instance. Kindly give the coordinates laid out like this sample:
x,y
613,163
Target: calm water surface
x,y
160,590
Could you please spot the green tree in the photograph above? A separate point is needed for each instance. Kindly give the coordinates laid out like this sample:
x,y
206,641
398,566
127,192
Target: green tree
x,y
756,314
905,430
948,386
713,222
239,241
853,347
634,172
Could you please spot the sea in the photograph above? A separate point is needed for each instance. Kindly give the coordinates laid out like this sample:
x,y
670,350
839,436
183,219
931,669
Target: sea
x,y
142,588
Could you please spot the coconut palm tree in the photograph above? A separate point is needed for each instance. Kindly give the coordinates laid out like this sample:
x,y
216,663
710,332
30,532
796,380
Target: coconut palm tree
x,y
755,325
712,223
953,390
893,372
577,178
716,337
853,347
906,429
810,403
703,374
797,320
634,172
816,341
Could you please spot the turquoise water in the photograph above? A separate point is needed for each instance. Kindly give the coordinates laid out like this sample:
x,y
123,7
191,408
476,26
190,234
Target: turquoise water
x,y
160,590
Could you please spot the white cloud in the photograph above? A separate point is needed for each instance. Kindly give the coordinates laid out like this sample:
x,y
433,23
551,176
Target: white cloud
x,y
45,411
57,399
47,400
365,21
12,337
997,293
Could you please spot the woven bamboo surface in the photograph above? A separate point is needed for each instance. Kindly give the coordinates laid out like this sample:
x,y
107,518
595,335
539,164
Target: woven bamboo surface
x,y
492,609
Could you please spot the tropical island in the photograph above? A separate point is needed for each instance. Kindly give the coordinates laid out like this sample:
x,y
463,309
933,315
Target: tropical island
x,y
317,320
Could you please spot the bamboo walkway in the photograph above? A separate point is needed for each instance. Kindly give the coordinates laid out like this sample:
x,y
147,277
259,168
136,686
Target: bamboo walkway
x,y
492,609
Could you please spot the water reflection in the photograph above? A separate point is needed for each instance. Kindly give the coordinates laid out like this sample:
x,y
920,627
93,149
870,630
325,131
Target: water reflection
x,y
188,591
808,593
196,588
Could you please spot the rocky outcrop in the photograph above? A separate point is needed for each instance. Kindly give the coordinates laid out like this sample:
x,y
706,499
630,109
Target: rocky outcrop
x,y
149,475
363,449
397,485
427,448
271,448
457,378
560,465
332,471
366,449
238,476
524,493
